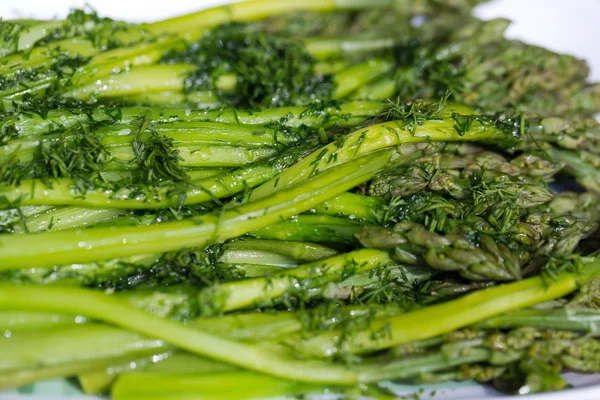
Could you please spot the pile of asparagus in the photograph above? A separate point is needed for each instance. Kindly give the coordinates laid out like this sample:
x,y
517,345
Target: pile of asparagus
x,y
290,198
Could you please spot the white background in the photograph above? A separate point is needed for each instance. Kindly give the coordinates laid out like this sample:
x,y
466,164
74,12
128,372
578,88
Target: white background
x,y
570,26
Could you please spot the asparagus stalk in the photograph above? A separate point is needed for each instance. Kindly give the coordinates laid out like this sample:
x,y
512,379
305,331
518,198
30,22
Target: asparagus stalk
x,y
302,251
354,207
65,218
331,48
570,318
345,114
103,243
313,228
46,349
225,184
381,89
171,77
188,25
233,385
381,136
24,377
455,314
412,367
104,307
252,292
354,77
21,321
100,381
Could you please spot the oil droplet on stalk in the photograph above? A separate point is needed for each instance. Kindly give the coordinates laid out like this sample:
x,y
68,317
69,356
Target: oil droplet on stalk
x,y
84,245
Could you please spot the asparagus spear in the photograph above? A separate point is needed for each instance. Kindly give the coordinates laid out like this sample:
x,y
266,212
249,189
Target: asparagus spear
x,y
107,308
469,309
485,69
106,61
198,231
417,123
22,125
254,10
466,208
220,185
245,293
176,78
210,386
581,205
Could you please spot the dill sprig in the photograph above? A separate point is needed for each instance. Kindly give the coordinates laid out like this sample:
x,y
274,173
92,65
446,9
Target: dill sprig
x,y
157,158
413,114
271,70
102,32
77,154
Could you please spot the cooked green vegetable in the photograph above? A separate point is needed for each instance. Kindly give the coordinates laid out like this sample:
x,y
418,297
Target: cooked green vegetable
x,y
286,198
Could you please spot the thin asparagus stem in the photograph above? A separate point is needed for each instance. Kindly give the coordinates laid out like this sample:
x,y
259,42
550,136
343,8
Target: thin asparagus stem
x,y
235,295
23,377
583,320
216,186
373,138
65,247
459,313
188,25
302,251
233,385
350,79
381,89
332,48
27,351
313,228
344,114
21,321
106,308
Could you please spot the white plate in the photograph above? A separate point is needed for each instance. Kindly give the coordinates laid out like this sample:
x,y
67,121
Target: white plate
x,y
564,26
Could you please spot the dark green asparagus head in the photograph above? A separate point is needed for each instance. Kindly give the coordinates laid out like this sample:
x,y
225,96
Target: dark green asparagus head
x,y
502,73
484,69
485,224
395,20
582,205
271,70
472,191
479,261
539,358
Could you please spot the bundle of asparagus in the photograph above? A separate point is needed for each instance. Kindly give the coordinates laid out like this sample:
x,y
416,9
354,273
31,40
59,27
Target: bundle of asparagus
x,y
286,198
